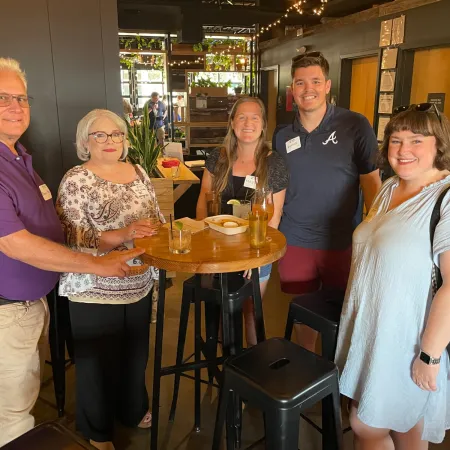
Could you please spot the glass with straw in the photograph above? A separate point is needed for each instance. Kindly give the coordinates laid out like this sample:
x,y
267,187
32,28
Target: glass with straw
x,y
179,238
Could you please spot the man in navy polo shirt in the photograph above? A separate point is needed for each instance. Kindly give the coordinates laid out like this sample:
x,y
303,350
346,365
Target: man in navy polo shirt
x,y
31,257
330,152
158,112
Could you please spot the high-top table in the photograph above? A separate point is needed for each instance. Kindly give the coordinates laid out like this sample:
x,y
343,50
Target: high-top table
x,y
184,180
212,252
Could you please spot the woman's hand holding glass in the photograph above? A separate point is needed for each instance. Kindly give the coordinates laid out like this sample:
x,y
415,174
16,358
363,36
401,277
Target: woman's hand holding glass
x,y
140,229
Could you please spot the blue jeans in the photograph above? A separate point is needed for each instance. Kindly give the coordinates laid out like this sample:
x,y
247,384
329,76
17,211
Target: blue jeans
x,y
264,272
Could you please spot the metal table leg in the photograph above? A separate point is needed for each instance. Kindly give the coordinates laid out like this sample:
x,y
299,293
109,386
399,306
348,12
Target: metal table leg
x,y
158,359
257,305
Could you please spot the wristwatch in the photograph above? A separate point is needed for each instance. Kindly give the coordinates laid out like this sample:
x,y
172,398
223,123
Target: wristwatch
x,y
427,359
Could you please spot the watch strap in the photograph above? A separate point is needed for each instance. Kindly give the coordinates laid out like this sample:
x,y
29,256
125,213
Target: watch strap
x,y
427,359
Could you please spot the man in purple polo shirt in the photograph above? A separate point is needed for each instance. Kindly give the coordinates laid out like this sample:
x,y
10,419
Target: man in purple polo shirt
x,y
31,257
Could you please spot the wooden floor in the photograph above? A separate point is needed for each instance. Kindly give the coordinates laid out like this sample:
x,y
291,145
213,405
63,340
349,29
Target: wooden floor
x,y
179,435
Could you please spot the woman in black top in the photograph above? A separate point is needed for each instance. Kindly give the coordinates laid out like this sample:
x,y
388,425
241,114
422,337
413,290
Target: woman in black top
x,y
245,154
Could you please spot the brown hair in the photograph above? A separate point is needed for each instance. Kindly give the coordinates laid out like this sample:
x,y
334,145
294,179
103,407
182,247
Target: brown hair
x,y
308,60
426,123
228,152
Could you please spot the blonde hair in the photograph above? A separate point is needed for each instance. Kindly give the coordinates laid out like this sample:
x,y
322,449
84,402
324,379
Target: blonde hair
x,y
11,65
228,152
83,131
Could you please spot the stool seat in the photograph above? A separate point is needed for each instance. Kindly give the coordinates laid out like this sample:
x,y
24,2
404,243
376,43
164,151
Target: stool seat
x,y
48,436
281,379
282,371
327,304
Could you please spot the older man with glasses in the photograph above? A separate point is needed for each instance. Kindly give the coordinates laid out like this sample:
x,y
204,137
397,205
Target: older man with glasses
x,y
31,257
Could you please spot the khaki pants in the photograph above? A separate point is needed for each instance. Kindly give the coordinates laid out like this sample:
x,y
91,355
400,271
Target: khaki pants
x,y
160,135
23,348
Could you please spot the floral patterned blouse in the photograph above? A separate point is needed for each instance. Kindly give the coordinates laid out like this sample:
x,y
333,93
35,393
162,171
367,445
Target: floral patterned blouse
x,y
87,204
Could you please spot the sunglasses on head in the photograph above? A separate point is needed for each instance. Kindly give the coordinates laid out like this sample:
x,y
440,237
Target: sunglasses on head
x,y
317,55
422,107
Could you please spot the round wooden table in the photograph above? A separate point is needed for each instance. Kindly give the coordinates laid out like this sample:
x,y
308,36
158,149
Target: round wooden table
x,y
211,252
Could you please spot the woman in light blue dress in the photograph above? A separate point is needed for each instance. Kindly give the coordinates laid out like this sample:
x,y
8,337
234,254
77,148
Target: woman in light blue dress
x,y
392,330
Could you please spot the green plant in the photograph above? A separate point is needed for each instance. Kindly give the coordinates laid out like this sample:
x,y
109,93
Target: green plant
x,y
129,60
140,43
197,47
219,62
144,148
206,83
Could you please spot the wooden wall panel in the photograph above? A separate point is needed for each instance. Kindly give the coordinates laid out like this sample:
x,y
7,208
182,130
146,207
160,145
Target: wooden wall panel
x,y
364,85
431,74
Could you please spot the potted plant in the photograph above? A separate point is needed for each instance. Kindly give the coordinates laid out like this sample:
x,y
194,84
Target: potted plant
x,y
238,89
143,146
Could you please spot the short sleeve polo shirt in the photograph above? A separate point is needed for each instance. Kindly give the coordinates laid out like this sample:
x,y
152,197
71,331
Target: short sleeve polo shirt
x,y
324,168
25,204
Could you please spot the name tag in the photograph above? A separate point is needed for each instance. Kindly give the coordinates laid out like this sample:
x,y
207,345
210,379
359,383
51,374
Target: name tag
x,y
293,144
45,191
140,190
250,182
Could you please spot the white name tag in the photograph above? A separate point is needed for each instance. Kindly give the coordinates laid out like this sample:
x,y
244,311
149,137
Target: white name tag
x,y
45,191
140,190
293,144
250,182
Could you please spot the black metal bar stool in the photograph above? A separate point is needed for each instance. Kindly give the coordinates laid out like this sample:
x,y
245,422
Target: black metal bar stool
x,y
320,311
281,379
207,289
60,335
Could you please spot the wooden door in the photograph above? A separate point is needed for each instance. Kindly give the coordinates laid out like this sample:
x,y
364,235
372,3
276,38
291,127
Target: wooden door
x,y
364,86
431,75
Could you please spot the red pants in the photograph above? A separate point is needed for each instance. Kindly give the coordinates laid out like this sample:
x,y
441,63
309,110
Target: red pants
x,y
304,270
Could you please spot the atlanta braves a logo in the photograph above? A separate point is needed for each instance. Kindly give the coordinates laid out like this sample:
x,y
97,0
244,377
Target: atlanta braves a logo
x,y
331,138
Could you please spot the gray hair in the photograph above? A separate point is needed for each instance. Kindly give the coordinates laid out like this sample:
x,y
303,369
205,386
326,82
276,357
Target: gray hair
x,y
11,65
83,131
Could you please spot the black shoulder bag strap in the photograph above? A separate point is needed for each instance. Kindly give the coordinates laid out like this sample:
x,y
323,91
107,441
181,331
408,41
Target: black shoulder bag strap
x,y
436,276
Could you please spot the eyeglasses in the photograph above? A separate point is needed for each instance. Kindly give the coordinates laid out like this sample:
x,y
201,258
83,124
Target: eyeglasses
x,y
317,55
101,137
422,107
24,101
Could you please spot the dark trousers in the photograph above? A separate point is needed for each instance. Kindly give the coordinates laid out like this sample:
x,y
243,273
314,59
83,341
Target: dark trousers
x,y
111,353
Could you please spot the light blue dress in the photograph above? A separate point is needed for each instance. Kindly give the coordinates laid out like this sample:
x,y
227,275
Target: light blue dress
x,y
385,311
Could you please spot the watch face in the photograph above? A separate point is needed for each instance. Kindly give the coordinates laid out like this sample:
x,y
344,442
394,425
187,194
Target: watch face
x,y
425,358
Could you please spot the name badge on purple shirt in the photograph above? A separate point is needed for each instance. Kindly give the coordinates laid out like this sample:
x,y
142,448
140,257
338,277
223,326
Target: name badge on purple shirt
x,y
45,191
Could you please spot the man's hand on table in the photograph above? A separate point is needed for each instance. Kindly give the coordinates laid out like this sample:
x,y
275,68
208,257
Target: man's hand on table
x,y
114,264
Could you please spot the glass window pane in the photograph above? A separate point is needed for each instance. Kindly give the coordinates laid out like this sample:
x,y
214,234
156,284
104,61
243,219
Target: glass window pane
x,y
124,75
149,75
147,89
142,101
125,89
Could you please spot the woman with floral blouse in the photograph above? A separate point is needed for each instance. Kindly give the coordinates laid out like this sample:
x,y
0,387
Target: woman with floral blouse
x,y
104,204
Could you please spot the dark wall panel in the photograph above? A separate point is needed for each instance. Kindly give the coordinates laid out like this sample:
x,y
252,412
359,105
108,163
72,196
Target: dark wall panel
x,y
425,26
69,50
25,36
78,64
111,61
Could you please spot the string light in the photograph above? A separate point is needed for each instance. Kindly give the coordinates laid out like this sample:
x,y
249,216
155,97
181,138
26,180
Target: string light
x,y
297,8
319,11
186,62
